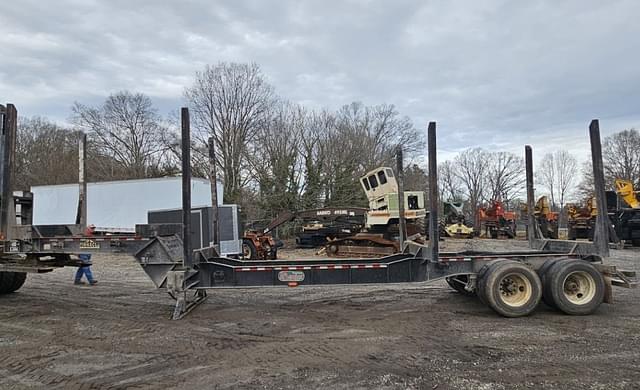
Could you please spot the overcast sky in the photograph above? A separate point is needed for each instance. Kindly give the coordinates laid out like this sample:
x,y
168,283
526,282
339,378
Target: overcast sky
x,y
496,74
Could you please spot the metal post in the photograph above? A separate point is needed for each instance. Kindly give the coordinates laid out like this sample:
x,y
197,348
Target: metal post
x,y
186,188
81,217
601,232
7,157
214,192
434,229
402,226
531,221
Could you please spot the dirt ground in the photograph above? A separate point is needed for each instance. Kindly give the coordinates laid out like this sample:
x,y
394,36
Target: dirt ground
x,y
55,335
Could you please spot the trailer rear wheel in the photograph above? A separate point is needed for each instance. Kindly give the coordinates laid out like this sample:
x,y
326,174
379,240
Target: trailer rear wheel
x,y
458,283
542,273
11,281
510,288
575,287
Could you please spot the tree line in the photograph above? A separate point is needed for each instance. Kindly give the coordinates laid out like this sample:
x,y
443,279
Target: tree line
x,y
274,155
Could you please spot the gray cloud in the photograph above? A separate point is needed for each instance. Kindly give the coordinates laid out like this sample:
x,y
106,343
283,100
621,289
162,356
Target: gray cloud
x,y
496,74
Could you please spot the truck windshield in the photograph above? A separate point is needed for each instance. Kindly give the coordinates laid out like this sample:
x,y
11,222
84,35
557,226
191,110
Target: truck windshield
x,y
373,181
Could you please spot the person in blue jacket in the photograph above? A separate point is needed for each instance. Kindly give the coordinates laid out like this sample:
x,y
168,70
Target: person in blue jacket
x,y
85,259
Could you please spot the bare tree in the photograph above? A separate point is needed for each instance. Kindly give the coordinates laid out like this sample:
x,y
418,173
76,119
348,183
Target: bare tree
x,y
505,176
275,159
546,175
45,154
621,153
566,169
473,165
557,173
229,102
450,183
314,154
362,139
127,130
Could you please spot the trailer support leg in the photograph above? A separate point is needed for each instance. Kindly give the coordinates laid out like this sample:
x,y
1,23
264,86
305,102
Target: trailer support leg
x,y
185,303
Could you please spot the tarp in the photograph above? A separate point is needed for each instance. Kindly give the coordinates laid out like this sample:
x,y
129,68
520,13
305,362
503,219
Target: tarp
x,y
116,205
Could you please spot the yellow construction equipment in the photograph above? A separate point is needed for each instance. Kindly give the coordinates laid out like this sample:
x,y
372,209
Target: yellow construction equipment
x,y
624,188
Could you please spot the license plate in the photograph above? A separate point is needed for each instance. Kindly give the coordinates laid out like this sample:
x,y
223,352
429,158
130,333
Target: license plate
x,y
291,276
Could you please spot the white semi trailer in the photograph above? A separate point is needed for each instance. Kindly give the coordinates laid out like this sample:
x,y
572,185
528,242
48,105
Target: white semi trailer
x,y
117,206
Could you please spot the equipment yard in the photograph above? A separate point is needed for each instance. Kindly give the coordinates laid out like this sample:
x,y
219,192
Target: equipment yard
x,y
413,336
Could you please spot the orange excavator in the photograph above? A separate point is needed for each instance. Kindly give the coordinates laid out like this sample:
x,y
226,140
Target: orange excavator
x,y
496,222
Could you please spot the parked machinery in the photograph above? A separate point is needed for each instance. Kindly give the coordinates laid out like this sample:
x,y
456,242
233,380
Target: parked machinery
x,y
547,219
454,221
496,222
581,220
380,236
625,220
327,224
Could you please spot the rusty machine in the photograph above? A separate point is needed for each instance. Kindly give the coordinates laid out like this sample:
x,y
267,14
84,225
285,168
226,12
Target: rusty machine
x,y
328,223
571,276
497,222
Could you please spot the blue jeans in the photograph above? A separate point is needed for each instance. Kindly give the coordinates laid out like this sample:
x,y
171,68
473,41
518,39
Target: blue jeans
x,y
85,268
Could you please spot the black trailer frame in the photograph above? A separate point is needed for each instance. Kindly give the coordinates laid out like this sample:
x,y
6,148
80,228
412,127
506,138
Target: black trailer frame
x,y
170,262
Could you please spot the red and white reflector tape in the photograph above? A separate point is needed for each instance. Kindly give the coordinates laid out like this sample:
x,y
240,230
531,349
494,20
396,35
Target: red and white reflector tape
x,y
312,267
453,259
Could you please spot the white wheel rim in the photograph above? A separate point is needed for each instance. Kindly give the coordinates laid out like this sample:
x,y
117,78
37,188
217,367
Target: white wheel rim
x,y
246,250
579,287
515,290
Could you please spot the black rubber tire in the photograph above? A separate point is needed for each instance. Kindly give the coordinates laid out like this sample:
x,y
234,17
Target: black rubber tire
x,y
18,280
458,286
6,282
554,288
528,285
481,277
542,273
253,252
11,281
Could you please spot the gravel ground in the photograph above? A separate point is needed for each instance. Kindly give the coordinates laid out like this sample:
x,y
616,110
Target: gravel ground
x,y
117,334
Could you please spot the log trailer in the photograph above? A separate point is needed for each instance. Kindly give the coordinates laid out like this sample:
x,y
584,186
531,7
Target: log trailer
x,y
570,276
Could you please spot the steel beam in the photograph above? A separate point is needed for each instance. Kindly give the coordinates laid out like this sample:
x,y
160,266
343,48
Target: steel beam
x,y
434,230
402,225
601,232
81,217
186,189
531,220
214,192
7,157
